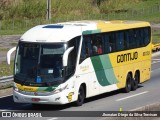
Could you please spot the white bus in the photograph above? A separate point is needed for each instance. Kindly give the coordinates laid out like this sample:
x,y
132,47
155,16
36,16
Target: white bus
x,y
68,62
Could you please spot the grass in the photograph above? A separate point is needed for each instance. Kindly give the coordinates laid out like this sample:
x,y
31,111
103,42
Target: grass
x,y
4,49
5,69
18,16
13,43
156,36
28,13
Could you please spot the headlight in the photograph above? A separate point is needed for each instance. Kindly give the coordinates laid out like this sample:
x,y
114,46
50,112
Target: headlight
x,y
60,89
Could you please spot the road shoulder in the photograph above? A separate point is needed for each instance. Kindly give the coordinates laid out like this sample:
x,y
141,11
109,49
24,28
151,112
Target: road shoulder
x,y
6,92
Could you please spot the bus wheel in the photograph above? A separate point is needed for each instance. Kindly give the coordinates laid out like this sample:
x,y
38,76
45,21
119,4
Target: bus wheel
x,y
135,81
128,83
81,96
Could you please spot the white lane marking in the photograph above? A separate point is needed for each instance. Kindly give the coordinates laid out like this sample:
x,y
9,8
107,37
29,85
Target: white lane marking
x,y
156,59
52,119
155,62
132,96
155,70
6,96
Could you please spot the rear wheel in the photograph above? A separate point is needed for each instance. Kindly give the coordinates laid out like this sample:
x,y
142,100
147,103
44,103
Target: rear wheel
x,y
128,83
135,81
81,96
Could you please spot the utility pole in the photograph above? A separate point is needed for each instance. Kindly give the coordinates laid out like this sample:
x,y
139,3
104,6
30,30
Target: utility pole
x,y
48,9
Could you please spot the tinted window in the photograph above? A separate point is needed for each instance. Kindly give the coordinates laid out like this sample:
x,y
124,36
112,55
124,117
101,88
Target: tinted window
x,y
103,43
146,36
107,48
119,41
112,43
72,58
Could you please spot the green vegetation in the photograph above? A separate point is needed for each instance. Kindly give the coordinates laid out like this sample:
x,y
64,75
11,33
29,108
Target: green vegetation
x,y
5,69
4,49
13,44
16,16
33,9
156,36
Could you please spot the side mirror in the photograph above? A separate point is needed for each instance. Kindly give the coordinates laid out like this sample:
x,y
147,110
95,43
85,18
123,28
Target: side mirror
x,y
65,56
9,54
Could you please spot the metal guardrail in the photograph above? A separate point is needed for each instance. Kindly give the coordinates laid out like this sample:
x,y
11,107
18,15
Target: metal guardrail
x,y
6,79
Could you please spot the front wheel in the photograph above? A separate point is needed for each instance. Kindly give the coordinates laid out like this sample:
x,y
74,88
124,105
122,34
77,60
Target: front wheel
x,y
81,96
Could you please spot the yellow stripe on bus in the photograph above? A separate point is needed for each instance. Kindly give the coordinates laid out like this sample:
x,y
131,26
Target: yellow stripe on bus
x,y
27,88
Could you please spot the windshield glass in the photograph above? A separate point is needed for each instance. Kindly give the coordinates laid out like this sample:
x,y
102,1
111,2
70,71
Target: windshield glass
x,y
37,63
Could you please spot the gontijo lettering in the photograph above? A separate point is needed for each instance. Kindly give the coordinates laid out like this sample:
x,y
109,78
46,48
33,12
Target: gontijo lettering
x,y
127,57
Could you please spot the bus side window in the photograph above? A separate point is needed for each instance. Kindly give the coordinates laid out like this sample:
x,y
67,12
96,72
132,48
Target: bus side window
x,y
99,44
120,41
141,37
72,58
112,43
86,50
137,37
132,43
83,51
103,43
127,39
107,48
88,46
146,36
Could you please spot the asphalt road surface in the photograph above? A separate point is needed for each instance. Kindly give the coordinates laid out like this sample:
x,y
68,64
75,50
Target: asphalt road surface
x,y
147,93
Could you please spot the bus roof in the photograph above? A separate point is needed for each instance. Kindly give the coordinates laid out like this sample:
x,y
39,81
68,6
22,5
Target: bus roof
x,y
63,32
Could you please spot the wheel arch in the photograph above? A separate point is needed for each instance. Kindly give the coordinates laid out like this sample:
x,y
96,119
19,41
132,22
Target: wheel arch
x,y
85,88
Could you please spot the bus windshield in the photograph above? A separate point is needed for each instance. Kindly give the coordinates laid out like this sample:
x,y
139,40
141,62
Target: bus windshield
x,y
37,63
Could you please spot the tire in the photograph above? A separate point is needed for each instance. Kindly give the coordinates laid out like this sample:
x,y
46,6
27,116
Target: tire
x,y
135,82
81,96
127,88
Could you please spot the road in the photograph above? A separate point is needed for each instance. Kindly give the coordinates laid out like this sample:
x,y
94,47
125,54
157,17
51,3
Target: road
x,y
147,93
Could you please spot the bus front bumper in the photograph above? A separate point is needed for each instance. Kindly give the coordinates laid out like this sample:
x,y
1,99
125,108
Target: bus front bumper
x,y
59,98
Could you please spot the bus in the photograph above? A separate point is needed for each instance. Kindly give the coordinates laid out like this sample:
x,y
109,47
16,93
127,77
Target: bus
x,y
70,61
